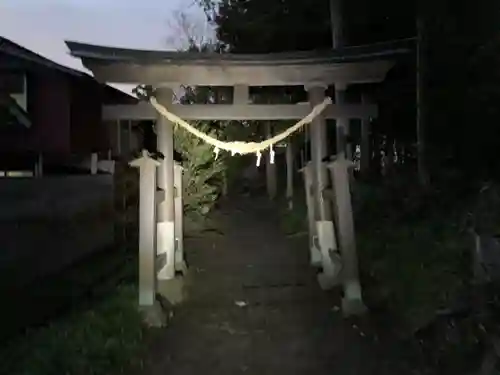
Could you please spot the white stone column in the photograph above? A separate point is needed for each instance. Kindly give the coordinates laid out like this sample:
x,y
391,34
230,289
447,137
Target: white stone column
x,y
319,151
166,210
325,232
147,231
352,301
314,252
180,263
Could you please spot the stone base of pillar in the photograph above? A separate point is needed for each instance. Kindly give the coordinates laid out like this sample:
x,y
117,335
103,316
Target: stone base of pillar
x,y
155,315
330,261
173,290
166,250
352,302
181,266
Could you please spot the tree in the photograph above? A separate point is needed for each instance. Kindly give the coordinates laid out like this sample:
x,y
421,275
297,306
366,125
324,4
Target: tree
x,y
460,56
204,173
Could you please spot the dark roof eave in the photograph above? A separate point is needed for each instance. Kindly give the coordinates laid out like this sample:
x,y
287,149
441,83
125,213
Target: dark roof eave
x,y
108,55
10,48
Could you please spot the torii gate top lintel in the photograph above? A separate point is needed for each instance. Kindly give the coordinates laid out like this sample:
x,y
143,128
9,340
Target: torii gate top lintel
x,y
348,65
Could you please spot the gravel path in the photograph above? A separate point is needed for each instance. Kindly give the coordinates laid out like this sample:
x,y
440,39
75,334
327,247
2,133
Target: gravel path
x,y
255,307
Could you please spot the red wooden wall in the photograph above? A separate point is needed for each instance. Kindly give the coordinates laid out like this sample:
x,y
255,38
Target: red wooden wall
x,y
66,116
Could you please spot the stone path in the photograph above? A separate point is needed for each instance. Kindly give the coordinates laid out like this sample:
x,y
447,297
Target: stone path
x,y
255,307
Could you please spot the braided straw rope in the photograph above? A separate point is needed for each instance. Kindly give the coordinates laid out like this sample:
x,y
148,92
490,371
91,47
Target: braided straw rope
x,y
238,147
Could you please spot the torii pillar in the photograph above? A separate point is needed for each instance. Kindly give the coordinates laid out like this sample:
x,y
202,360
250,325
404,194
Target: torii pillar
x,y
323,213
170,285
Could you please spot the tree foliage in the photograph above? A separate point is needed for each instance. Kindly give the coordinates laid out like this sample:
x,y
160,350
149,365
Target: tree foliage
x,y
461,53
203,173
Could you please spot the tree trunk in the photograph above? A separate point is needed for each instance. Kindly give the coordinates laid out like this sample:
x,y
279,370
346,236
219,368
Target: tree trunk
x,y
423,175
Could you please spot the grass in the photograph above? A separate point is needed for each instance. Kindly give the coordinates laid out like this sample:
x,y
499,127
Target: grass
x,y
293,221
105,339
413,254
103,334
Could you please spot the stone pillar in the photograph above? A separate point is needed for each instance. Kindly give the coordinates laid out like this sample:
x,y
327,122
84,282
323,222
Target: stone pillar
x,y
166,210
319,151
153,312
322,211
289,174
315,253
170,286
180,263
147,231
365,140
270,167
342,124
352,302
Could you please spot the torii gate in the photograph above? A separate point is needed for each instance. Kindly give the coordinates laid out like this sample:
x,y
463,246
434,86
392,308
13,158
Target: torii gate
x,y
315,71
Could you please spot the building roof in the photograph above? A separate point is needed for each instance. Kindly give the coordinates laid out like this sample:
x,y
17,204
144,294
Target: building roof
x,y
347,54
15,50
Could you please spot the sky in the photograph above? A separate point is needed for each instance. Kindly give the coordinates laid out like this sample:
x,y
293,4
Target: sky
x,y
43,25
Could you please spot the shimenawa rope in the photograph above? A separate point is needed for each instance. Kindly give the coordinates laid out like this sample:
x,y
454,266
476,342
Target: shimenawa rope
x,y
239,147
236,147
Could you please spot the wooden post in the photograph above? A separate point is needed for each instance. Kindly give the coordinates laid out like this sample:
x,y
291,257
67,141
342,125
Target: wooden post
x,y
342,124
352,302
180,263
118,138
289,174
315,253
270,167
93,163
322,211
39,166
130,141
348,145
147,228
241,94
166,210
423,173
365,140
389,154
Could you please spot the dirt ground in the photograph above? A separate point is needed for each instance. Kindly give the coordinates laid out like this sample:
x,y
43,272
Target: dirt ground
x,y
255,307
